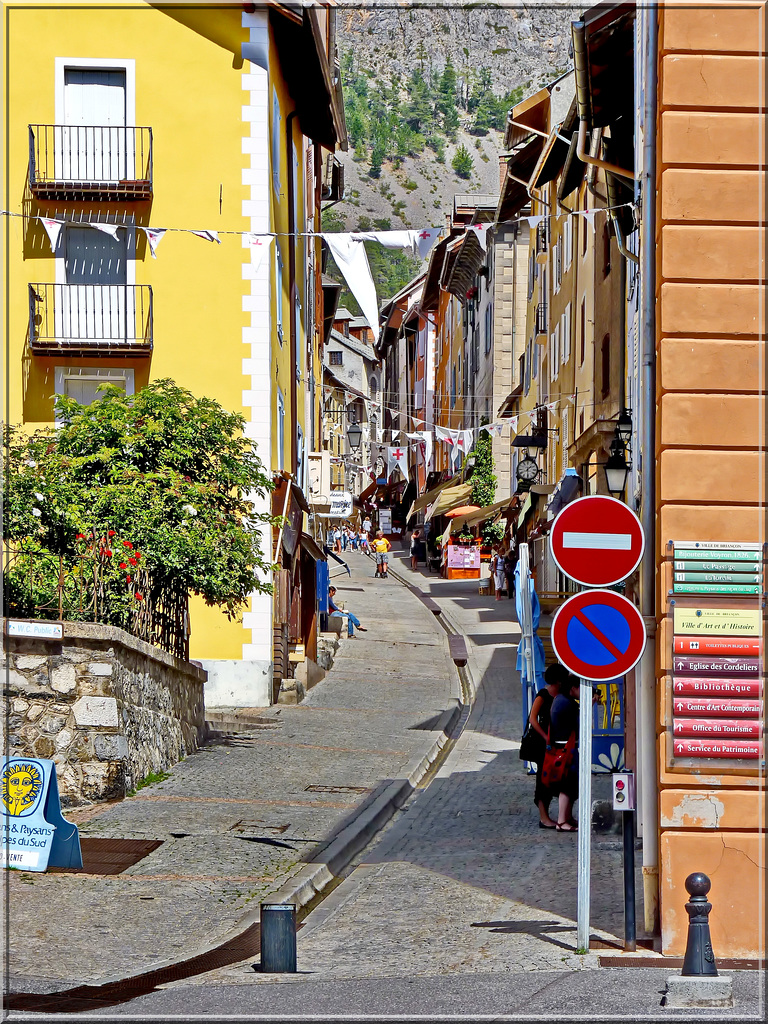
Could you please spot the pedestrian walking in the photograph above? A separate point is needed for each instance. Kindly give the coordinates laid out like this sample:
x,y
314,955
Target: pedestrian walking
x,y
381,546
353,539
539,719
510,562
417,549
367,525
352,620
337,540
497,570
564,731
344,538
362,540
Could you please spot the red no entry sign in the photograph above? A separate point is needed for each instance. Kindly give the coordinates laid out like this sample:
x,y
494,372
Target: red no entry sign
x,y
598,635
597,541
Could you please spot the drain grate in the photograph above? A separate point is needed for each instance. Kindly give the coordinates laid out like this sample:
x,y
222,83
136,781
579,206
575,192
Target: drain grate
x,y
337,789
111,856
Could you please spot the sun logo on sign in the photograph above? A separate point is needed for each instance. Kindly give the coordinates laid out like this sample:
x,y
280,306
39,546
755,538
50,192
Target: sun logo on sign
x,y
22,784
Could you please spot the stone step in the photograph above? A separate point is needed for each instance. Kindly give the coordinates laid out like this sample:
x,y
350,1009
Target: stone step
x,y
229,721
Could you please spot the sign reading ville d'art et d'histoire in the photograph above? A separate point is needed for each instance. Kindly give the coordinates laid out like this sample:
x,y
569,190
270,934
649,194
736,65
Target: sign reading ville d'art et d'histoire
x,y
717,684
35,835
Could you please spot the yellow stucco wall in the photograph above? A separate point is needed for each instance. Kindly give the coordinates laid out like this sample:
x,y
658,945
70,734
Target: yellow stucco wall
x,y
188,77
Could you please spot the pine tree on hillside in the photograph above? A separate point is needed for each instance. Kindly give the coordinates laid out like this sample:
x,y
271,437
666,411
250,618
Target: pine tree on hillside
x,y
462,162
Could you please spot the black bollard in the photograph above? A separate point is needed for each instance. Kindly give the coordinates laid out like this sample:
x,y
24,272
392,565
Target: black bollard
x,y
278,938
699,958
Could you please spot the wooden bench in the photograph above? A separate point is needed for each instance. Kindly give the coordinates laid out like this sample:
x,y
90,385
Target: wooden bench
x,y
458,648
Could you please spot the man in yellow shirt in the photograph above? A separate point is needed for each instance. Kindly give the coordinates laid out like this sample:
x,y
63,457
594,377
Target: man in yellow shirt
x,y
381,546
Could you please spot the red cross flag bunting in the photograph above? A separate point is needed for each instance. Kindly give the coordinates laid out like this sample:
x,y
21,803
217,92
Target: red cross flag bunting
x,y
397,458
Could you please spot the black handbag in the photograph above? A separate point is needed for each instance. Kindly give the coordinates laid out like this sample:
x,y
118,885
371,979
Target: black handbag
x,y
531,745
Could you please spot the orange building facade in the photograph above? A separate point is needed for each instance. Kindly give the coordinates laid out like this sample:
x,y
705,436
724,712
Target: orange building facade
x,y
710,429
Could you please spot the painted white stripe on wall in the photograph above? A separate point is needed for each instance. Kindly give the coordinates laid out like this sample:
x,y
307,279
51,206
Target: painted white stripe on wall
x,y
256,394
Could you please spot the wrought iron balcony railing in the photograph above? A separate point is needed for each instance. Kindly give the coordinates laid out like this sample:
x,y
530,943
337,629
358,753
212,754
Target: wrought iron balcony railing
x,y
94,162
542,326
114,319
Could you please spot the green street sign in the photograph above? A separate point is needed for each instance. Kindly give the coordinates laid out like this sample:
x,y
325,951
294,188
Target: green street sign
x,y
749,555
718,577
692,565
716,588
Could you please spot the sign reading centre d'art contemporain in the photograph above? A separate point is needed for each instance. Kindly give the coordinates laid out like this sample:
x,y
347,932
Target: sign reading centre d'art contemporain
x,y
35,835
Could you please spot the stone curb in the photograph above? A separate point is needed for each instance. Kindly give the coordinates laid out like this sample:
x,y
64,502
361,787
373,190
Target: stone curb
x,y
311,879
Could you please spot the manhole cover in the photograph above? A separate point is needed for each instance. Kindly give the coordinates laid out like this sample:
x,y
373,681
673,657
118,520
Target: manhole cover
x,y
337,789
257,827
111,856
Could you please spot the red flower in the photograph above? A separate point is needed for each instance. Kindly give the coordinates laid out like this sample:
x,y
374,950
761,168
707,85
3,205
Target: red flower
x,y
80,536
123,565
111,533
139,597
133,561
127,544
137,555
108,553
127,579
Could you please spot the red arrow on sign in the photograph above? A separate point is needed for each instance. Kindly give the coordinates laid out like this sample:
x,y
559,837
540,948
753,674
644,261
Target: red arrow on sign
x,y
597,541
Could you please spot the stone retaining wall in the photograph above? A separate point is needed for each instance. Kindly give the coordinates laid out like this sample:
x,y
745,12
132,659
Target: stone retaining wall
x,y
105,706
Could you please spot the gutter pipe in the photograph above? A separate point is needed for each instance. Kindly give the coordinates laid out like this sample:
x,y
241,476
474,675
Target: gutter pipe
x,y
647,766
292,291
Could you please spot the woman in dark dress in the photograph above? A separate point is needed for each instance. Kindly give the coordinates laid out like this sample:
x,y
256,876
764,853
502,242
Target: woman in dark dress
x,y
564,722
539,718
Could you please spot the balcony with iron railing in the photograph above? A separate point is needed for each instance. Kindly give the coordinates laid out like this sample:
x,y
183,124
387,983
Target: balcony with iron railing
x,y
542,325
93,162
542,243
91,319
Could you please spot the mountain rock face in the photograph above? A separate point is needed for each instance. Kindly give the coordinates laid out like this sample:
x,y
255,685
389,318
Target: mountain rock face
x,y
426,91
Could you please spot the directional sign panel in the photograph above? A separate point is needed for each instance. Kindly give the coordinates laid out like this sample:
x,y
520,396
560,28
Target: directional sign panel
x,y
597,541
598,635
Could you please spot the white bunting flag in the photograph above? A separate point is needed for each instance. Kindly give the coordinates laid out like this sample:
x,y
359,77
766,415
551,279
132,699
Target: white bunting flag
x,y
513,421
480,230
533,222
424,440
154,238
464,441
106,229
352,260
52,229
446,435
397,457
551,407
589,216
425,239
259,246
209,236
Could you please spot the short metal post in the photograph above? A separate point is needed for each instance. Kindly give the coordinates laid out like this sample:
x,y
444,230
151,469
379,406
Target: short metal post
x,y
699,957
628,835
278,938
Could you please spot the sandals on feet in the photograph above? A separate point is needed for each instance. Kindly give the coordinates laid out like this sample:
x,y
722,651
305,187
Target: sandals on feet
x,y
566,826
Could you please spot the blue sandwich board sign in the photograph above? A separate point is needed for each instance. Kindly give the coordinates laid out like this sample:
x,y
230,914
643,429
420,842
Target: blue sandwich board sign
x,y
35,835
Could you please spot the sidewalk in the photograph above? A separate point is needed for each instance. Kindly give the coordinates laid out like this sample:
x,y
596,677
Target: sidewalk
x,y
247,816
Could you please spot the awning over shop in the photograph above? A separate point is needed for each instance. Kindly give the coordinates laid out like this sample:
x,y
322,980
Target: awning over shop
x,y
429,496
482,514
312,548
449,498
527,509
505,409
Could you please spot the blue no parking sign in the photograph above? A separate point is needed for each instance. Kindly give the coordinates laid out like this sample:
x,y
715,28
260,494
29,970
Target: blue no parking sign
x,y
598,635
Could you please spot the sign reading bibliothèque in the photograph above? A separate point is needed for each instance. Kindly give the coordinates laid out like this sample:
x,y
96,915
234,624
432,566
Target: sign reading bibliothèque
x,y
717,660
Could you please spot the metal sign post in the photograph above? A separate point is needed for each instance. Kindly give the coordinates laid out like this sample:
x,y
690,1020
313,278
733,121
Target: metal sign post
x,y
585,814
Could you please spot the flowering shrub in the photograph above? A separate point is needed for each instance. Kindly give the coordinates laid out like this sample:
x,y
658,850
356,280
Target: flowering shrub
x,y
168,479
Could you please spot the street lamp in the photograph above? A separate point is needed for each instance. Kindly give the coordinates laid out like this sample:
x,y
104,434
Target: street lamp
x,y
616,468
624,428
354,435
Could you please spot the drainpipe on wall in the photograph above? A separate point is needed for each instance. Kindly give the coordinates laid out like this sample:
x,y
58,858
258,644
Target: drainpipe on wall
x,y
294,327
647,757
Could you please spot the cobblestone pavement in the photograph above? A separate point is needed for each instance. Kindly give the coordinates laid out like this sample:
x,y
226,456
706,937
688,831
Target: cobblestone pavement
x,y
240,816
464,880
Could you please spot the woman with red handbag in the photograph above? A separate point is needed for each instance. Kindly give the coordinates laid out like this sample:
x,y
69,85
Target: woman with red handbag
x,y
539,721
562,753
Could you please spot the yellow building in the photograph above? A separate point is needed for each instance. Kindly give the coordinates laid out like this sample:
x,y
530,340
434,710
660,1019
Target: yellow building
x,y
195,118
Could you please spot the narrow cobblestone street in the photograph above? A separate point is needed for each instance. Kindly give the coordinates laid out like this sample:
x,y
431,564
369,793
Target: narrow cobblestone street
x,y
241,816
